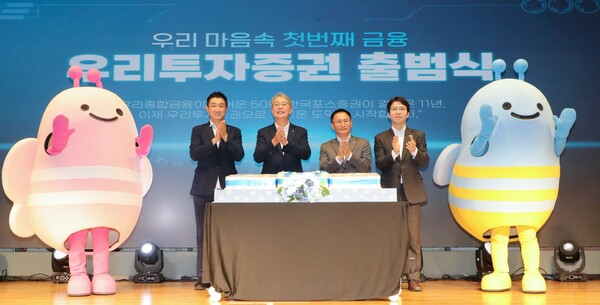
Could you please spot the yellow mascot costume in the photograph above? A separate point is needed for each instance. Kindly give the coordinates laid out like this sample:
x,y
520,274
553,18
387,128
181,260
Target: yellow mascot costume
x,y
506,172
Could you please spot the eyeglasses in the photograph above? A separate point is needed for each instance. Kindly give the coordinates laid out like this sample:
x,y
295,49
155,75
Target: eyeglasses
x,y
340,122
280,104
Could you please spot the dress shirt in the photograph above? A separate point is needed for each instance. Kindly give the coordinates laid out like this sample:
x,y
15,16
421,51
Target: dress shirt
x,y
214,128
285,130
400,135
344,159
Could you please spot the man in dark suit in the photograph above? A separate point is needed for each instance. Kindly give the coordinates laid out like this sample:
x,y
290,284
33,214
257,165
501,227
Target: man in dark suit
x,y
281,146
401,153
345,153
215,146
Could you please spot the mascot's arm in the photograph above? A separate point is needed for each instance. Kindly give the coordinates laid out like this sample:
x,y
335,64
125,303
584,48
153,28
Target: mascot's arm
x,y
142,148
147,175
16,174
442,170
480,144
144,141
563,127
60,134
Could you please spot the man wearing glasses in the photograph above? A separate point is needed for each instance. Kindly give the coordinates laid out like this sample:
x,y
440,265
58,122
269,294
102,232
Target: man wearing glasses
x,y
345,153
281,146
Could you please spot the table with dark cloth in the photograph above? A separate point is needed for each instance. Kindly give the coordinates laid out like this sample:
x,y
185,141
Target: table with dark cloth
x,y
305,251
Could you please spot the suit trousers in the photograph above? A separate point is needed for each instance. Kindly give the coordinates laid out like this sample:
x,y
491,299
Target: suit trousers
x,y
414,262
199,207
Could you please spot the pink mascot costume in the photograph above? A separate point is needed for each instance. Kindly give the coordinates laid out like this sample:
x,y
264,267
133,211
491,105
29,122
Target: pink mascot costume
x,y
86,172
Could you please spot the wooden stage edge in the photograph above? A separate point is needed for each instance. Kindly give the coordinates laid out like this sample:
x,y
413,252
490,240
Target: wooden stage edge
x,y
442,292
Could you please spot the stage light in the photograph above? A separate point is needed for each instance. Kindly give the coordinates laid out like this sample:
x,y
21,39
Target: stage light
x,y
148,264
483,259
569,260
60,267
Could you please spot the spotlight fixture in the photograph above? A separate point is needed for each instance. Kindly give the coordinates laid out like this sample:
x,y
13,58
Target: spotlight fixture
x,y
569,260
148,264
483,259
60,267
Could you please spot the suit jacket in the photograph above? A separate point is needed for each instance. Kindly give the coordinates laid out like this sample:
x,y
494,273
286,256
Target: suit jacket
x,y
213,162
359,163
404,166
289,158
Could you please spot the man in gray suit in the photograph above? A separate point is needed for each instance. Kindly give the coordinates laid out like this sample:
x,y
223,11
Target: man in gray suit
x,y
401,153
345,153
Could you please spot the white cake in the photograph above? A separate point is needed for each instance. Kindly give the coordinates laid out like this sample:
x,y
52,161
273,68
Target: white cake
x,y
318,177
250,181
275,188
273,181
354,180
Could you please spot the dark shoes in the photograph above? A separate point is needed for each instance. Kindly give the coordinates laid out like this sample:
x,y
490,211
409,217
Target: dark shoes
x,y
201,286
414,285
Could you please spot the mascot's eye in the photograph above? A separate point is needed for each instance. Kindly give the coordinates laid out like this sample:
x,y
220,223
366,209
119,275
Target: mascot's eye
x,y
119,112
85,107
540,107
506,106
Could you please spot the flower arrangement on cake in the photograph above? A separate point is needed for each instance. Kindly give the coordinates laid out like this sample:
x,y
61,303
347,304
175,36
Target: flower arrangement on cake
x,y
302,187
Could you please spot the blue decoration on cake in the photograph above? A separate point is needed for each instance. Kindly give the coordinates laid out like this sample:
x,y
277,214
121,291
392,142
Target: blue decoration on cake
x,y
250,181
353,180
302,187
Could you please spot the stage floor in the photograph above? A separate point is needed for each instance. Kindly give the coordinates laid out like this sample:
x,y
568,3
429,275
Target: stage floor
x,y
451,292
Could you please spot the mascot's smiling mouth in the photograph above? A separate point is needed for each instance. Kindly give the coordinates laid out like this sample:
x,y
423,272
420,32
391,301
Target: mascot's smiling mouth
x,y
103,119
525,117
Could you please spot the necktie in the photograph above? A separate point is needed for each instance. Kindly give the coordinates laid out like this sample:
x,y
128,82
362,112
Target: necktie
x,y
218,183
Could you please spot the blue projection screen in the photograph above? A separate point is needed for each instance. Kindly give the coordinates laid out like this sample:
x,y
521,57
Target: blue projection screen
x,y
163,58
